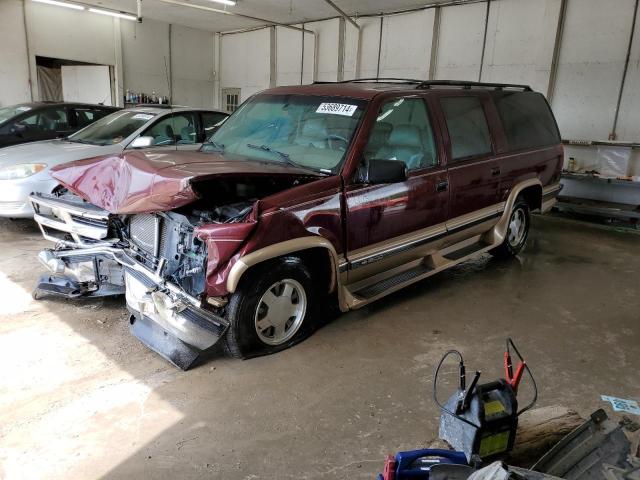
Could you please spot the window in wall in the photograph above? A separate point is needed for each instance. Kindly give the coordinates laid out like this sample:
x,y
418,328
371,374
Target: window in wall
x,y
467,125
180,129
526,119
231,98
403,132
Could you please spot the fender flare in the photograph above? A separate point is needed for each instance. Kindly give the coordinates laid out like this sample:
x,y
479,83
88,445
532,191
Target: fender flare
x,y
500,229
277,250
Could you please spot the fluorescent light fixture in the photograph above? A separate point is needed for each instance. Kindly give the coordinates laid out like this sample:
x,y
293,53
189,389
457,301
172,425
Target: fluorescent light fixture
x,y
111,13
61,4
225,2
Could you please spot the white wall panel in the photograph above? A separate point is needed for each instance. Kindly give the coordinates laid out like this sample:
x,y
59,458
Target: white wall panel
x,y
327,61
629,117
520,39
460,42
309,58
370,41
350,51
69,34
244,61
192,66
288,56
406,45
86,84
14,66
590,68
145,48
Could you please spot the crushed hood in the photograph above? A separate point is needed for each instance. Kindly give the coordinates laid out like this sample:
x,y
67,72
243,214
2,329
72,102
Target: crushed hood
x,y
151,181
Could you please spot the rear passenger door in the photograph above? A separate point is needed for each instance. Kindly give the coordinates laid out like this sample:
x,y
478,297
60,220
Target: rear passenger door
x,y
474,174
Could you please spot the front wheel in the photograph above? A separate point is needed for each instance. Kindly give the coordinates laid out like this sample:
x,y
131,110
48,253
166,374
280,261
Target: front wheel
x,y
274,308
517,231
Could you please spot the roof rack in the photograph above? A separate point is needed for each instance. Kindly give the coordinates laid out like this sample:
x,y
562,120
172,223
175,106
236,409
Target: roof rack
x,y
425,84
468,85
410,81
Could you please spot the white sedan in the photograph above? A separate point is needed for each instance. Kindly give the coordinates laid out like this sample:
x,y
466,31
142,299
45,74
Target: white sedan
x,y
25,168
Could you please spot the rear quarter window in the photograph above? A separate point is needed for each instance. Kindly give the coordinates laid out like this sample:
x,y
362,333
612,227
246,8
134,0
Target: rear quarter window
x,y
527,120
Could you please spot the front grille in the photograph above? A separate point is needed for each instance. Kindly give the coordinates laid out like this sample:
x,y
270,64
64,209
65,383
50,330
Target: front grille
x,y
144,231
93,222
71,221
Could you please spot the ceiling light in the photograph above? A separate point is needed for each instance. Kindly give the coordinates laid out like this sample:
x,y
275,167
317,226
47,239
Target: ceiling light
x,y
61,4
225,2
111,13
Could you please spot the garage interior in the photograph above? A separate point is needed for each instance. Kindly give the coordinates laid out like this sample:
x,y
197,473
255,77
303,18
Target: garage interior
x,y
81,398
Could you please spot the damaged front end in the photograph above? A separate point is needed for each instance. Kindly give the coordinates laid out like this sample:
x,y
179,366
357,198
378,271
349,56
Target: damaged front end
x,y
155,259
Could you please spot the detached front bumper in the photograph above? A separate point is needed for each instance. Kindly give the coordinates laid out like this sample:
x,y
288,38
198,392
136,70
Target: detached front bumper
x,y
162,317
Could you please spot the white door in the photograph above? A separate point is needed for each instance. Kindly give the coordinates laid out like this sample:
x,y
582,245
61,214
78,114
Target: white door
x,y
86,83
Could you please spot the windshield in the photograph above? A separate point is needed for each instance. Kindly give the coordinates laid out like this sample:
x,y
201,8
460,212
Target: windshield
x,y
112,129
308,131
9,112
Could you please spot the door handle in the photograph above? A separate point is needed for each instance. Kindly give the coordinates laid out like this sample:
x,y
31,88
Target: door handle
x,y
495,171
442,186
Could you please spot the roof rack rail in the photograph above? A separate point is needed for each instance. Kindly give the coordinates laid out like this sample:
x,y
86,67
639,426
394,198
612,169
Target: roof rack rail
x,y
468,85
378,80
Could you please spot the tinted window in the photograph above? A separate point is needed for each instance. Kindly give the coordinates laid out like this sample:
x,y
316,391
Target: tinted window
x,y
180,128
210,121
86,116
51,119
527,120
403,132
467,125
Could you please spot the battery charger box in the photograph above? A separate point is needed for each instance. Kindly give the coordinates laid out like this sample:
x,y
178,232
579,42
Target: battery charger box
x,y
493,409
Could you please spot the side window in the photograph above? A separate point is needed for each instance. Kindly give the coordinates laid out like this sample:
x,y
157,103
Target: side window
x,y
467,125
179,128
210,122
403,132
50,119
527,120
86,116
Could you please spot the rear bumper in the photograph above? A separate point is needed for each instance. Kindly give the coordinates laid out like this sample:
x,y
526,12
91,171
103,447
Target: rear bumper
x,y
163,317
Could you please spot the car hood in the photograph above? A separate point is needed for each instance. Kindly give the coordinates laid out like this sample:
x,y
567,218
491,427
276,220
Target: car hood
x,y
151,181
52,152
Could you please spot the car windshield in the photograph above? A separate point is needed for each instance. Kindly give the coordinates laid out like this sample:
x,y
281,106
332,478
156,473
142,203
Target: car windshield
x,y
113,128
9,112
308,131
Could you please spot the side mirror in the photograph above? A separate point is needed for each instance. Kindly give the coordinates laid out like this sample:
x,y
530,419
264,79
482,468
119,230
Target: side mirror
x,y
141,142
384,171
19,129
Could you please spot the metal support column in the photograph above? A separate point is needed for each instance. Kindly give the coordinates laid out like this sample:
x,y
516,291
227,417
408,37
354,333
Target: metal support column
x,y
553,72
433,61
484,38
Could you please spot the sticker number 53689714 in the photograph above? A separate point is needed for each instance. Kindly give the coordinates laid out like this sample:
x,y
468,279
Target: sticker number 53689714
x,y
337,109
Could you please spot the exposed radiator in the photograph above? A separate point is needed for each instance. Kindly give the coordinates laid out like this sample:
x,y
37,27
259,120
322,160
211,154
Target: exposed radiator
x,y
145,232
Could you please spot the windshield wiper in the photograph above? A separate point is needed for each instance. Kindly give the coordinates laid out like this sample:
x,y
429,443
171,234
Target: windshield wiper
x,y
267,148
285,157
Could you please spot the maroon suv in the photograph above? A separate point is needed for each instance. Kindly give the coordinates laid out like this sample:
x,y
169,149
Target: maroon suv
x,y
307,194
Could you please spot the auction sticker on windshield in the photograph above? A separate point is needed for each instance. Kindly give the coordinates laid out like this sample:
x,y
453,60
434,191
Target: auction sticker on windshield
x,y
337,109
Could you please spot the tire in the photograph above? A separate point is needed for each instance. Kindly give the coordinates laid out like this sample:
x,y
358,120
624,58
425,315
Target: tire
x,y
517,231
264,294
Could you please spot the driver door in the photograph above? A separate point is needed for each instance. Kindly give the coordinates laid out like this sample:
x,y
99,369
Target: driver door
x,y
387,222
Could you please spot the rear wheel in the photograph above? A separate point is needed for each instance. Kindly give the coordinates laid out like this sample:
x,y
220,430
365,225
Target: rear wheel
x,y
517,231
273,308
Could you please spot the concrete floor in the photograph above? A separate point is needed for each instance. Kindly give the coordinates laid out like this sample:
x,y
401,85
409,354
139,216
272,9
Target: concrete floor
x,y
80,398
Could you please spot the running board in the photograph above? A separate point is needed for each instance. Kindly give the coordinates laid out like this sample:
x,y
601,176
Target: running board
x,y
388,283
429,265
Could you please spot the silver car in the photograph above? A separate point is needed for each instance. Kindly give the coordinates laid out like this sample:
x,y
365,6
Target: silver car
x,y
25,168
